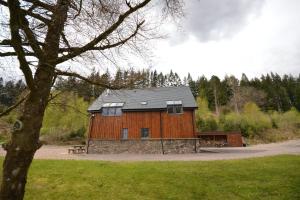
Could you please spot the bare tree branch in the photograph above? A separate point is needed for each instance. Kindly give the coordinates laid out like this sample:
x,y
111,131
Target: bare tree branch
x,y
52,97
41,4
30,13
128,4
5,54
103,35
8,43
65,40
73,74
78,10
11,108
69,106
24,24
108,46
16,40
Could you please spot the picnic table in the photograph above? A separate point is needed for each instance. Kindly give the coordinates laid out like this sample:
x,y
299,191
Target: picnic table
x,y
77,149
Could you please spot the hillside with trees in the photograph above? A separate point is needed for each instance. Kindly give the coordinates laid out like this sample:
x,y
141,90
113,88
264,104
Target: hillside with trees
x,y
264,108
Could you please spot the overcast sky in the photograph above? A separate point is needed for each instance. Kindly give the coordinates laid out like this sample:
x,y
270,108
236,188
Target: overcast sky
x,y
233,36
219,37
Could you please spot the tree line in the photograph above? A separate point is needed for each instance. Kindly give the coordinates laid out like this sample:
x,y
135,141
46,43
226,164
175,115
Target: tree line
x,y
269,92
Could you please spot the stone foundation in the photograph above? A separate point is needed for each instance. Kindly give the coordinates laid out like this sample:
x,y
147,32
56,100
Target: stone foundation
x,y
151,146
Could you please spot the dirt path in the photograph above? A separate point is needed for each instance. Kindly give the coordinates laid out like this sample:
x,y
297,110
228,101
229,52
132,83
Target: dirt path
x,y
288,147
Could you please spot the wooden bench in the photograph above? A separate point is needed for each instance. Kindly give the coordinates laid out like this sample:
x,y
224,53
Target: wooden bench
x,y
76,149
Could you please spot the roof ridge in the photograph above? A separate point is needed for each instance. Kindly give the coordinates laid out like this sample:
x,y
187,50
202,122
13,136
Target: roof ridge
x,y
150,88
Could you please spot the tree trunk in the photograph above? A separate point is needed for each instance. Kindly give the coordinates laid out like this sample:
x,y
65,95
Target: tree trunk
x,y
15,170
236,107
24,142
25,139
216,101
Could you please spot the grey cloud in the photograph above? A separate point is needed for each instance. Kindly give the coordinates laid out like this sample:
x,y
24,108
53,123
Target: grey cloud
x,y
218,19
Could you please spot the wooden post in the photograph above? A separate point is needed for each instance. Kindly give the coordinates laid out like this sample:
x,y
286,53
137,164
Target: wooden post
x,y
90,131
161,134
193,121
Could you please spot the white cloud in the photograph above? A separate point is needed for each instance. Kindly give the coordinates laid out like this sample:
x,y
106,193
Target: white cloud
x,y
268,42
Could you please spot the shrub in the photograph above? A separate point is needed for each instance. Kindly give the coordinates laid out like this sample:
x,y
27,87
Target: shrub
x,y
231,122
254,121
289,120
80,133
203,109
275,118
251,122
205,119
207,124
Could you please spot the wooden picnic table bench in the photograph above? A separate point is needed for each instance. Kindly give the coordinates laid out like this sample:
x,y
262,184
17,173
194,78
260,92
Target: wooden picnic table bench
x,y
77,149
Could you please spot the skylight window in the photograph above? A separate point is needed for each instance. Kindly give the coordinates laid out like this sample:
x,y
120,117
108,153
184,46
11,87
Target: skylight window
x,y
106,105
174,103
111,105
144,103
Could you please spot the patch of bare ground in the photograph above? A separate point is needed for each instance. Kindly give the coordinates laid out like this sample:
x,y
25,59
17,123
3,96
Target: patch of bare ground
x,y
287,147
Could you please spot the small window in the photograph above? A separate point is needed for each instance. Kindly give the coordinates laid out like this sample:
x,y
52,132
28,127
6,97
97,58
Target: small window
x,y
178,109
105,111
124,134
170,109
174,109
118,111
145,133
111,111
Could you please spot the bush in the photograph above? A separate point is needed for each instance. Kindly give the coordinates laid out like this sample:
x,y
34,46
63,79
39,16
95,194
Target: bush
x,y
251,122
254,121
231,122
275,118
207,124
205,120
289,120
80,133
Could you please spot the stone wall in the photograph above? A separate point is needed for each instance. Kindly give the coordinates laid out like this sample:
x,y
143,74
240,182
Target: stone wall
x,y
179,146
151,146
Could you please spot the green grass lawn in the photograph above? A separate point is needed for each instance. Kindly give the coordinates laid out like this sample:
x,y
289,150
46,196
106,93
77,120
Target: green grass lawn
x,y
260,178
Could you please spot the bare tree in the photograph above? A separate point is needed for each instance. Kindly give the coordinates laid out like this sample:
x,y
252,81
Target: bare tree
x,y
44,34
247,94
234,85
215,83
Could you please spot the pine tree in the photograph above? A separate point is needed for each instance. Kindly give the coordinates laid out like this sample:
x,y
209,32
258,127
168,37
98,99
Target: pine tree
x,y
154,80
118,79
244,80
193,86
161,80
177,80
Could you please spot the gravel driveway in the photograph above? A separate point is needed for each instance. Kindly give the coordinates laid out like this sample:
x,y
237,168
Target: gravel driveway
x,y
288,147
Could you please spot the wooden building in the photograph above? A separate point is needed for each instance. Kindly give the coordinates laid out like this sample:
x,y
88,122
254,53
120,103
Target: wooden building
x,y
220,139
141,114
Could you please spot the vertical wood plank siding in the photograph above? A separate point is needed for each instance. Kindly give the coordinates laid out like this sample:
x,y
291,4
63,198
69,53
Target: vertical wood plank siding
x,y
235,140
173,125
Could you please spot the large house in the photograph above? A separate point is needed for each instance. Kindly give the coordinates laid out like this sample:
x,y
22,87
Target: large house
x,y
142,120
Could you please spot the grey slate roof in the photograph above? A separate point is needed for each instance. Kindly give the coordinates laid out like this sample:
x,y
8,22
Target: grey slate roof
x,y
155,97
